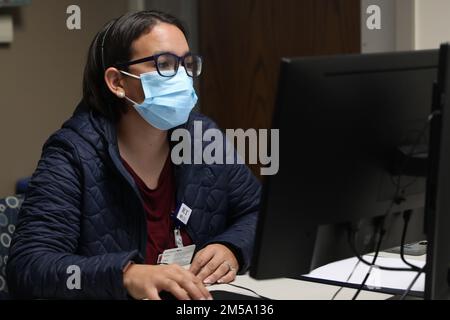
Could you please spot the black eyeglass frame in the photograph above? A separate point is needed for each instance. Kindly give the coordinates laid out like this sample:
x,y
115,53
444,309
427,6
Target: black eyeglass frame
x,y
179,61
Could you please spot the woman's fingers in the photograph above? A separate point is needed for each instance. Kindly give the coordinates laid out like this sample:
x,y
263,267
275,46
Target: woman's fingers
x,y
220,271
190,283
147,281
200,260
214,263
152,294
209,269
196,289
229,277
174,288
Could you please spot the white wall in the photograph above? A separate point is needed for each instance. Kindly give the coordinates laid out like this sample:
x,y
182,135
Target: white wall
x,y
397,31
407,25
378,40
432,23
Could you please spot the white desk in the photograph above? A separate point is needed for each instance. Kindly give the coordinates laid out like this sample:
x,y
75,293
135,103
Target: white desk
x,y
289,289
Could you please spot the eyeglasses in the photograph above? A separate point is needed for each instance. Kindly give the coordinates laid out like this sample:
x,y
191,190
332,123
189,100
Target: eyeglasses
x,y
167,64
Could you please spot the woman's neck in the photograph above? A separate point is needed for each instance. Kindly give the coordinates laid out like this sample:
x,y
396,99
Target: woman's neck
x,y
140,144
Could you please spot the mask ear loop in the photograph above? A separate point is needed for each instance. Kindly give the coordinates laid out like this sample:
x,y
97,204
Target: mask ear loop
x,y
130,75
135,77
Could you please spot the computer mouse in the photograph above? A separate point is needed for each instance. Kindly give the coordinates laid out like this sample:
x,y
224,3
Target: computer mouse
x,y
165,295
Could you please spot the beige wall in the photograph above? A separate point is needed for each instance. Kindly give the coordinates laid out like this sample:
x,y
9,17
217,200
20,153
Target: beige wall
x,y
397,26
40,77
432,23
418,25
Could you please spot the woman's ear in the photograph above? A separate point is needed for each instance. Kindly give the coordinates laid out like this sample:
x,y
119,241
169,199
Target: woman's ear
x,y
114,81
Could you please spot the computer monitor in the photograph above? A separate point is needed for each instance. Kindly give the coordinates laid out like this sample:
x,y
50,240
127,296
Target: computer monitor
x,y
345,123
438,190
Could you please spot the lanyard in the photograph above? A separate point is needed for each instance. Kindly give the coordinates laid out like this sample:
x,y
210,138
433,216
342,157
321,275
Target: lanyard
x,y
180,218
178,238
177,230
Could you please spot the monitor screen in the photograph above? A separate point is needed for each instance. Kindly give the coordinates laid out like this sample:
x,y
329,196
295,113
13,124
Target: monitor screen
x,y
346,124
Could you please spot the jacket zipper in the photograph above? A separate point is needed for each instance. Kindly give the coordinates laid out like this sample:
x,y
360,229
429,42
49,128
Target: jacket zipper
x,y
143,222
141,225
179,201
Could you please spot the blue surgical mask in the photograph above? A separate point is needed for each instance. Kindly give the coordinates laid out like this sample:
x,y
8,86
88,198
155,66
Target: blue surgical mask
x,y
168,101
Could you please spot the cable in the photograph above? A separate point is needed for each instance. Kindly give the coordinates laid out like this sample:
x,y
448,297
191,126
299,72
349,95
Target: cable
x,y
407,291
250,290
406,218
400,190
356,265
377,252
352,242
348,279
413,149
398,199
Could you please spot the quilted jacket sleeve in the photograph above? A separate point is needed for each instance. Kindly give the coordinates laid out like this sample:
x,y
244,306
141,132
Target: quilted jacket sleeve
x,y
243,200
244,193
42,262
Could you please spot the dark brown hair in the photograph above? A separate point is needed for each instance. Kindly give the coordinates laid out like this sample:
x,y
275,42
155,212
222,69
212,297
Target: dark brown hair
x,y
113,45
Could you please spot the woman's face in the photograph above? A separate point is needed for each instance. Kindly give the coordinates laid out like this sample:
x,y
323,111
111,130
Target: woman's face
x,y
164,37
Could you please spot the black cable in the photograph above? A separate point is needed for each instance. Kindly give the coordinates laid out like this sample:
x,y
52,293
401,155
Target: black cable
x,y
406,219
398,199
250,290
400,190
377,250
412,151
360,258
375,257
407,291
348,279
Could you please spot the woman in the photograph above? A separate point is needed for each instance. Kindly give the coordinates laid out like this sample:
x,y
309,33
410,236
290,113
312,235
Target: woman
x,y
104,202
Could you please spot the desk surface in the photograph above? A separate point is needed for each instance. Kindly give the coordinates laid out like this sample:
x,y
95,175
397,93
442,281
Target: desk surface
x,y
290,289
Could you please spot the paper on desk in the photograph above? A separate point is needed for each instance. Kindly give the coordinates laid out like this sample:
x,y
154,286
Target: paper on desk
x,y
341,270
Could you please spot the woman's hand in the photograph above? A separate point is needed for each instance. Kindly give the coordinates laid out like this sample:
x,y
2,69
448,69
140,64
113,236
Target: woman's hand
x,y
215,263
147,281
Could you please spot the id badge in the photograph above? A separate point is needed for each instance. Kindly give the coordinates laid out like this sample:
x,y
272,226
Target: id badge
x,y
184,213
181,256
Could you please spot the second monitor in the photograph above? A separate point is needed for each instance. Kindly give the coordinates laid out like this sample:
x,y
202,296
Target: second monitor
x,y
353,137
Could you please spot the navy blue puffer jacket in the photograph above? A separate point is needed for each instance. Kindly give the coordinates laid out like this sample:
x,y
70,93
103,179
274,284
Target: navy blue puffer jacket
x,y
83,209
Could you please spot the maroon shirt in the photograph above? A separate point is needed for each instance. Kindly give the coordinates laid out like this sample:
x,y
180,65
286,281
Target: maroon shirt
x,y
159,205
